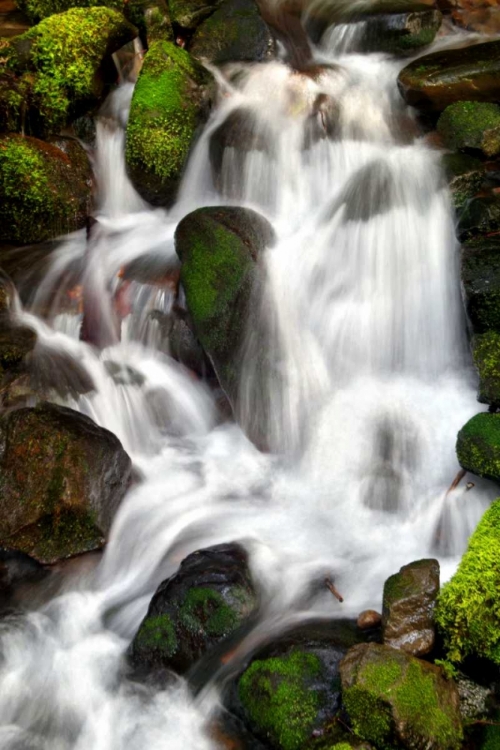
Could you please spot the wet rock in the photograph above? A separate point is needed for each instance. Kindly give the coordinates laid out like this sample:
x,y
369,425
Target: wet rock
x,y
481,216
474,125
481,283
230,733
394,699
484,20
219,249
234,32
408,607
171,99
486,352
400,33
36,10
43,191
435,81
467,612
16,343
465,175
62,479
188,14
185,347
368,619
473,698
17,569
478,446
209,597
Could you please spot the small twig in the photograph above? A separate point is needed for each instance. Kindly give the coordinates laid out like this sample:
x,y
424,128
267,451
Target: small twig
x,y
489,723
334,591
456,481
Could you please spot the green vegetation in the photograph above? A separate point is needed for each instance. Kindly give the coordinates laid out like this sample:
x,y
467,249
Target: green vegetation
x,y
206,609
157,634
473,125
478,445
465,176
468,608
486,349
36,10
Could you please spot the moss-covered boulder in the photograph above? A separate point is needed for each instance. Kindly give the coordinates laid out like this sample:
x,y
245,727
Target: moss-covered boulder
x,y
481,216
437,80
408,607
474,125
209,597
44,192
36,10
394,699
219,249
480,270
478,445
465,175
235,31
486,352
15,101
171,99
400,33
64,64
188,14
468,611
61,480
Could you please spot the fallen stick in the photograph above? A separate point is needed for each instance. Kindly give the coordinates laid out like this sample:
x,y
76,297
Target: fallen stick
x,y
456,481
334,591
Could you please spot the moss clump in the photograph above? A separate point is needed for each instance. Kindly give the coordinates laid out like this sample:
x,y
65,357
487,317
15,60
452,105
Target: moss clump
x,y
478,446
486,350
468,608
465,175
205,608
474,125
402,33
157,634
36,10
42,195
278,697
165,113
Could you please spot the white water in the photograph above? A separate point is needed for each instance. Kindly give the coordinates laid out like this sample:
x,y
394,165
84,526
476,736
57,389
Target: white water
x,y
367,385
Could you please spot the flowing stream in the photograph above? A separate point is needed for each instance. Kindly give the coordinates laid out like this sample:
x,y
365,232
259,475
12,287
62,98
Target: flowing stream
x,y
367,381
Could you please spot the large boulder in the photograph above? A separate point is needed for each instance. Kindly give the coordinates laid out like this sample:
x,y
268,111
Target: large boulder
x,y
468,611
170,101
44,192
481,216
480,268
188,14
472,73
471,125
478,445
465,174
400,33
408,607
209,597
61,480
234,32
219,248
486,352
394,699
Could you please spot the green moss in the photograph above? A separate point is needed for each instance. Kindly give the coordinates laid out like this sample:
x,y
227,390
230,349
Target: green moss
x,y
158,634
473,125
278,697
486,350
468,607
36,10
206,609
478,445
465,175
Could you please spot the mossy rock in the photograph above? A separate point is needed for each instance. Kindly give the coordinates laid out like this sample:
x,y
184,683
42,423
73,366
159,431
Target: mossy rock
x,y
435,81
15,101
474,125
171,100
209,597
468,612
478,446
64,65
486,351
44,192
465,175
188,14
234,32
36,10
480,270
61,480
394,700
481,216
400,33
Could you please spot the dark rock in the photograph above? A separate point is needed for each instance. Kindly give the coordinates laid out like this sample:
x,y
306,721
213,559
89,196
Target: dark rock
x,y
486,352
481,283
188,14
471,125
408,607
234,32
209,597
368,619
481,216
478,446
394,699
400,33
437,80
474,698
62,479
465,175
16,568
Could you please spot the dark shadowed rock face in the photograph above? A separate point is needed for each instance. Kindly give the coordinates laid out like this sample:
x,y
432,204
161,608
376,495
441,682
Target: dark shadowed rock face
x,y
481,283
61,480
209,597
408,608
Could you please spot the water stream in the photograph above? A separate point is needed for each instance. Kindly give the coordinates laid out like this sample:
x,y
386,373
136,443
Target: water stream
x,y
368,380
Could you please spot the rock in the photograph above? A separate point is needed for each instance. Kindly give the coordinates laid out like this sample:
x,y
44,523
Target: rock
x,y
465,175
478,446
219,249
188,14
480,267
408,607
481,216
290,692
435,81
482,20
368,619
16,342
62,478
473,698
36,10
209,597
65,66
170,101
486,351
157,22
234,32
467,611
17,569
473,125
44,192
394,699
400,33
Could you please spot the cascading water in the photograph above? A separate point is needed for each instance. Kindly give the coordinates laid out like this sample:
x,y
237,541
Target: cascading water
x,y
366,382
